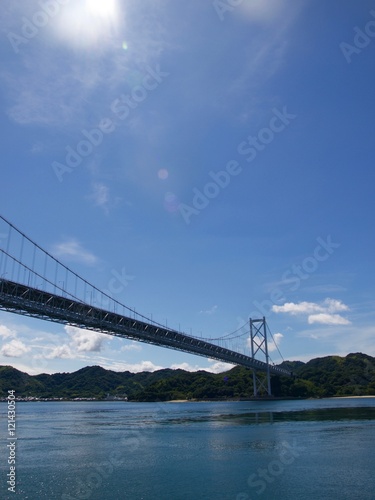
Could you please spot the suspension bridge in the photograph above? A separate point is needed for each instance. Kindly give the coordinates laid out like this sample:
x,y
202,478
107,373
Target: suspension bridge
x,y
34,283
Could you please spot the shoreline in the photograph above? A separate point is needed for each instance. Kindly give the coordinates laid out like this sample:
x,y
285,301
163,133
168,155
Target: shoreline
x,y
350,397
213,400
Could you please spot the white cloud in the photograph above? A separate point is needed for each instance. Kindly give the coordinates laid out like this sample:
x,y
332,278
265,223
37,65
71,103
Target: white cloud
x,y
73,250
6,332
218,366
357,337
300,308
60,352
131,347
272,346
335,305
81,341
323,313
85,340
142,366
328,319
14,349
187,367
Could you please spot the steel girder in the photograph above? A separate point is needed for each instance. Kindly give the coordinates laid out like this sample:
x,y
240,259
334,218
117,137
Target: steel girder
x,y
21,299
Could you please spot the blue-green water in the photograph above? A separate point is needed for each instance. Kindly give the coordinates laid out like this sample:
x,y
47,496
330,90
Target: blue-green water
x,y
312,449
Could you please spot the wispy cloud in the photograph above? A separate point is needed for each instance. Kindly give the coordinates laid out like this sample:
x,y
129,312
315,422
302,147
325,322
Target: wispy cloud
x,y
324,313
45,95
263,12
325,289
73,250
210,311
79,52
265,53
131,347
100,196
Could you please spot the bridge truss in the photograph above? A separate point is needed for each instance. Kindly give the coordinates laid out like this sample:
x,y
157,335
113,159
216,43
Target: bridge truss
x,y
36,284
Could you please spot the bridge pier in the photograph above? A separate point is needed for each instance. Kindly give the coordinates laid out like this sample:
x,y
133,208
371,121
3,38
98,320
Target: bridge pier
x,y
258,338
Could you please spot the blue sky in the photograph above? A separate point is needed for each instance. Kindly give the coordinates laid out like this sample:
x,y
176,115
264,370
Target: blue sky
x,y
204,161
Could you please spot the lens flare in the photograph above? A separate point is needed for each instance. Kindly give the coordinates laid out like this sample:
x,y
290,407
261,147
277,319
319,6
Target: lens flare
x,y
171,202
163,174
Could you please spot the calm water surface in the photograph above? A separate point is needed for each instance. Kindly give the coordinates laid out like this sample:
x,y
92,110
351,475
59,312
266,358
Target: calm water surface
x,y
312,449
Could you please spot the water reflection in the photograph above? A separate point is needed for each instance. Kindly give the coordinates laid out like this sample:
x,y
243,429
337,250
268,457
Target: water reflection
x,y
269,417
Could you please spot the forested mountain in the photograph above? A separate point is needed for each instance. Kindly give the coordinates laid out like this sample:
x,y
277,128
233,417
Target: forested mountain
x,y
320,377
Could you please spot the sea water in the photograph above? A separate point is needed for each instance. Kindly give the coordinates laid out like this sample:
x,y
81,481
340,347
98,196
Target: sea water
x,y
307,449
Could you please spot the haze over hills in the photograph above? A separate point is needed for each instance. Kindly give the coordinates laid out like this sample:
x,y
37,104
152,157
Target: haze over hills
x,y
353,375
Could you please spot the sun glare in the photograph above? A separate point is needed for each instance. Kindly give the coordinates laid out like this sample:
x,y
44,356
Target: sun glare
x,y
101,8
86,24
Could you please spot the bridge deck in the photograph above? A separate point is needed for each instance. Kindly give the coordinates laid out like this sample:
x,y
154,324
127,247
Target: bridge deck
x,y
22,299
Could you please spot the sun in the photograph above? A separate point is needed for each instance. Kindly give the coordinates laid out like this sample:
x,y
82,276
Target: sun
x,y
89,24
101,8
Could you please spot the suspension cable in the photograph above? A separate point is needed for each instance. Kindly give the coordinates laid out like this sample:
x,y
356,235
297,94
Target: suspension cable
x,y
229,334
277,347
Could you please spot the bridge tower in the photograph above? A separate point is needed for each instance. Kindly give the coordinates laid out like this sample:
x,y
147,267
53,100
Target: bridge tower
x,y
258,339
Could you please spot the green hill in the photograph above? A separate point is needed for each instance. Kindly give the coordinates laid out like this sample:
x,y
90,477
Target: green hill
x,y
320,377
353,375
